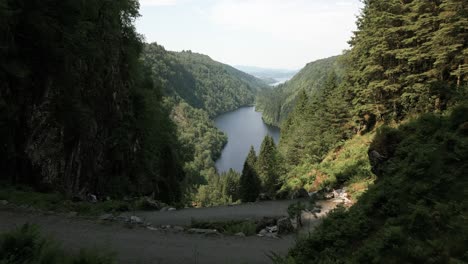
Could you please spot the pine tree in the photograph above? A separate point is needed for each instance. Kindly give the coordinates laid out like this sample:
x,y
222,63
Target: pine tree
x,y
267,166
249,182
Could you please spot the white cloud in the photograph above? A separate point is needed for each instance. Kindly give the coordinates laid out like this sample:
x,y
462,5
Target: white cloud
x,y
295,19
158,2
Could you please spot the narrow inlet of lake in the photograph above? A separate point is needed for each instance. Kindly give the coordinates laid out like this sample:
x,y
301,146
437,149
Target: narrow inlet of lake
x,y
244,128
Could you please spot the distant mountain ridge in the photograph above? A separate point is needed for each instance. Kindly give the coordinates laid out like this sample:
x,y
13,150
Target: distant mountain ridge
x,y
268,75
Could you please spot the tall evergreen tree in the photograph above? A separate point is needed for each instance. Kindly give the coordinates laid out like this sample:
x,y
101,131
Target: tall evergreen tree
x,y
250,184
267,166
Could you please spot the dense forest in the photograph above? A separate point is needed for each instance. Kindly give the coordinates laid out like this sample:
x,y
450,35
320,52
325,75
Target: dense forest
x,y
386,126
79,111
277,103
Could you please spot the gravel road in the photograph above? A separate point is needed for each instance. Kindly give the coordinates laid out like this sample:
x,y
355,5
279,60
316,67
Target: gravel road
x,y
140,245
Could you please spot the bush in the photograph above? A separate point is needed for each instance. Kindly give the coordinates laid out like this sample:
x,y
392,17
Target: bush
x,y
26,246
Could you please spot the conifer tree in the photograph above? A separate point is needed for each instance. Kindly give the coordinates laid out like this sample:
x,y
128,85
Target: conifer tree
x,y
267,165
249,182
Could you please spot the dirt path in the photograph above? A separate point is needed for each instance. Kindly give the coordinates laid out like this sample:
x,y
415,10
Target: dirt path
x,y
140,245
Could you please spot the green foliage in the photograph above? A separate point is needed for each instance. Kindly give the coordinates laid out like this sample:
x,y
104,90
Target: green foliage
x,y
200,81
79,112
295,209
250,184
276,104
416,210
268,167
219,190
26,246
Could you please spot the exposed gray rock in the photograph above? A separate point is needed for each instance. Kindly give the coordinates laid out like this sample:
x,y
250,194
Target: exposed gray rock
x,y
272,229
262,232
106,217
135,220
122,218
264,222
240,234
202,231
171,209
285,226
3,202
178,228
152,228
92,198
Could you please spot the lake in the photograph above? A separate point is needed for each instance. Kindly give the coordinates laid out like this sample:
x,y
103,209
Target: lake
x,y
244,128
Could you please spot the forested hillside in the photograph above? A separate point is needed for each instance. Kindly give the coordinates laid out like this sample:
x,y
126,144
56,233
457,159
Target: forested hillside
x,y
388,124
200,81
79,113
196,89
277,103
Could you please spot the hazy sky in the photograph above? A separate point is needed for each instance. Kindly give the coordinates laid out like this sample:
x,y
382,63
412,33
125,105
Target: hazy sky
x,y
266,33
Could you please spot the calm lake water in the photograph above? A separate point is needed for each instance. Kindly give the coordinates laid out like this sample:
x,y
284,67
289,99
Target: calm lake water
x,y
244,128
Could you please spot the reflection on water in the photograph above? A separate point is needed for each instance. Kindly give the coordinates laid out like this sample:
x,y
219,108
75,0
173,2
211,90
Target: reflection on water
x,y
244,128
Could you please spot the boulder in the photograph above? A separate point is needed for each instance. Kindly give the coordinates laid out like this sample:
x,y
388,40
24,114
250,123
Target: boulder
x,y
300,193
3,202
285,226
171,209
135,220
264,222
202,231
262,232
152,228
240,234
272,229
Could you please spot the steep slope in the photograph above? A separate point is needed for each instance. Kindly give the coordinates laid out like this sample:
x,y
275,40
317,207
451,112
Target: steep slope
x,y
416,212
201,81
277,103
78,112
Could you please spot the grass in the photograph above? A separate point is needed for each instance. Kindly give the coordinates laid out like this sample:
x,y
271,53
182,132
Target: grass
x,y
347,166
248,227
25,245
56,202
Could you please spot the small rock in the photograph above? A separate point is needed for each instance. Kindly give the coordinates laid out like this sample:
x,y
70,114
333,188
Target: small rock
x,y
202,231
135,220
264,222
178,228
285,226
272,229
164,209
262,232
152,228
3,202
240,234
171,209
106,217
329,195
92,198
